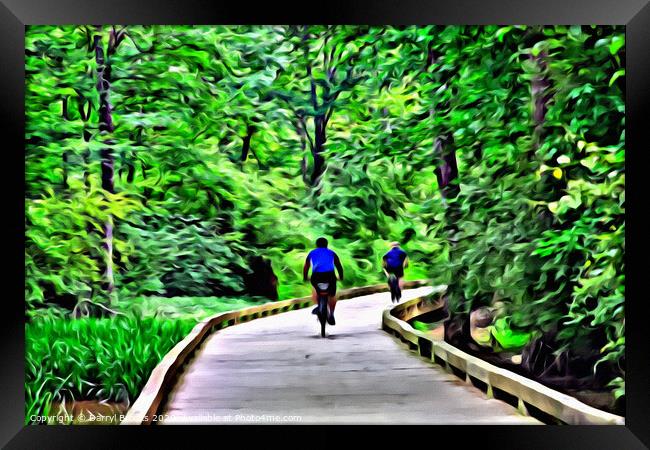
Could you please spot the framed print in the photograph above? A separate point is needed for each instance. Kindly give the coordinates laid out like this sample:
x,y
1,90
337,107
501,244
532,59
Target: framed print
x,y
357,215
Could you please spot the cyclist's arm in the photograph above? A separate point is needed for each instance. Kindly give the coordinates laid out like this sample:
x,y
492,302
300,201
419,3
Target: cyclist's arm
x,y
406,262
339,267
383,266
305,269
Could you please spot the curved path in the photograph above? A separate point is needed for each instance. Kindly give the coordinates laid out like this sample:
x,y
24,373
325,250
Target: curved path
x,y
279,370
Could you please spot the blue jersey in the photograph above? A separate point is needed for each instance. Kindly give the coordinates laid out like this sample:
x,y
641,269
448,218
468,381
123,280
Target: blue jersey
x,y
322,260
395,257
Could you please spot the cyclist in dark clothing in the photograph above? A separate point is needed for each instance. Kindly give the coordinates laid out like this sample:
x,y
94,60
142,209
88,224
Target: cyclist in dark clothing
x,y
323,261
394,261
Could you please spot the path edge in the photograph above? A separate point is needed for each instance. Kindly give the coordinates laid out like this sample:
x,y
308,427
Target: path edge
x,y
146,406
491,378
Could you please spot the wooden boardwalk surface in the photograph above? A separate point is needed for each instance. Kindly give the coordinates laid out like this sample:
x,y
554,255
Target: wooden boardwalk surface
x,y
278,369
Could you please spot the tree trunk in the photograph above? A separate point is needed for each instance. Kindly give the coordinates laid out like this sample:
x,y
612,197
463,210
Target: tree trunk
x,y
107,160
444,159
303,162
446,168
320,120
319,147
446,173
65,157
247,142
540,96
85,116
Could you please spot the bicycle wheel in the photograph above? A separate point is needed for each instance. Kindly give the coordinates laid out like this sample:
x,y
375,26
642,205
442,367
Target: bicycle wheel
x,y
322,313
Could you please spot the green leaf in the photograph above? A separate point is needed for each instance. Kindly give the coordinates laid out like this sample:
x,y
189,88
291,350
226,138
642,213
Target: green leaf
x,y
617,42
617,74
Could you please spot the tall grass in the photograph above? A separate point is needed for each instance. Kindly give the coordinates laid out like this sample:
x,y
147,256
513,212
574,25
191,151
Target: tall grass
x,y
101,359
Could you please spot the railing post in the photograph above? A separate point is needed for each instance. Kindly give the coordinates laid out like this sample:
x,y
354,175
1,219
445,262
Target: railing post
x,y
489,392
521,406
447,367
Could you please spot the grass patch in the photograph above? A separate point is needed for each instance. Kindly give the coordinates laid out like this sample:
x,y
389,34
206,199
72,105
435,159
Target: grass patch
x,y
197,308
107,359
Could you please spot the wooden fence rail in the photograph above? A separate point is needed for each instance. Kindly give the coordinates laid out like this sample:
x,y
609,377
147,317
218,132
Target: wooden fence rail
x,y
529,396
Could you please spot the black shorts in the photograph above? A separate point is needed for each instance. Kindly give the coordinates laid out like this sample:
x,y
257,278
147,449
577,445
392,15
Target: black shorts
x,y
398,271
324,277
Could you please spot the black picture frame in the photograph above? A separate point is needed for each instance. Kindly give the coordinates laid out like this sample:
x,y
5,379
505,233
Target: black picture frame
x,y
16,14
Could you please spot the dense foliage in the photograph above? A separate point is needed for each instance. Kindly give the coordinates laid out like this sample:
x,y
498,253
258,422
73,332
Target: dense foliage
x,y
541,221
161,159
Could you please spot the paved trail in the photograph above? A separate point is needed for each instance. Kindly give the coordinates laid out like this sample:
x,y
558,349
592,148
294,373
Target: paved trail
x,y
279,366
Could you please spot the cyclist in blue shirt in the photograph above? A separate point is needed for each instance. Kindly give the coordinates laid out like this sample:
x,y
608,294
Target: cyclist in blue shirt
x,y
394,261
323,261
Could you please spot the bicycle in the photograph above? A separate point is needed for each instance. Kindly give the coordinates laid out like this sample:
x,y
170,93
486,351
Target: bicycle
x,y
323,299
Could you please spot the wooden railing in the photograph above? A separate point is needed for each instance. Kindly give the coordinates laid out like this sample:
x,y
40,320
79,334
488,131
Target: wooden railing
x,y
529,396
163,376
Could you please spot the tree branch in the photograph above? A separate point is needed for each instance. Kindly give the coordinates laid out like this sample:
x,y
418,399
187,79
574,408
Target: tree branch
x,y
304,132
140,49
330,111
325,58
314,100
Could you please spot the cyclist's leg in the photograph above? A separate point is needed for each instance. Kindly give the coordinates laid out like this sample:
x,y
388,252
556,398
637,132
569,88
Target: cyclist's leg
x,y
332,303
332,293
400,277
314,295
399,273
391,284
